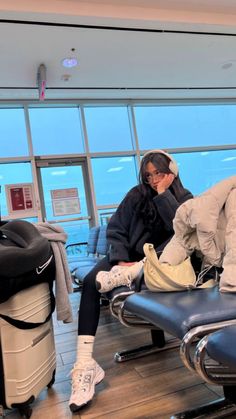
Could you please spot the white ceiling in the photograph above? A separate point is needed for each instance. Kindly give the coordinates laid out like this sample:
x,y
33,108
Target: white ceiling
x,y
141,49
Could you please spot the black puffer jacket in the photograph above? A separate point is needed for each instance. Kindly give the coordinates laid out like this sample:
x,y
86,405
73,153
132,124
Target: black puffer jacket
x,y
127,232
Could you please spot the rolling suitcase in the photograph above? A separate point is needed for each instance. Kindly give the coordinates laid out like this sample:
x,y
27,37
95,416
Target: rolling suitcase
x,y
27,349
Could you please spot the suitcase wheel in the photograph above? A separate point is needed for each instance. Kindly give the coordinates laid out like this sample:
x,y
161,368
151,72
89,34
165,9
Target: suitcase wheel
x,y
50,384
25,412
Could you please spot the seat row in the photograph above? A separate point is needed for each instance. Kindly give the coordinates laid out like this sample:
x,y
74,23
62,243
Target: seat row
x,y
203,324
95,248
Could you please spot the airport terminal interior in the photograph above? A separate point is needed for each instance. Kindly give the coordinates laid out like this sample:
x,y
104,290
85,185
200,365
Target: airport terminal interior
x,y
86,89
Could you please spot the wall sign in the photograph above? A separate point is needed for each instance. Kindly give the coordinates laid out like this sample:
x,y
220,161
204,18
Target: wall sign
x,y
65,201
21,200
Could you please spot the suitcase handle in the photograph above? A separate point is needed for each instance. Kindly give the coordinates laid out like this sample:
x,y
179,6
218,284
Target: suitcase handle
x,y
20,324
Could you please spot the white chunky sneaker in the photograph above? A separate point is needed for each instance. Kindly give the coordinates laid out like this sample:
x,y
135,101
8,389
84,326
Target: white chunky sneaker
x,y
84,378
117,276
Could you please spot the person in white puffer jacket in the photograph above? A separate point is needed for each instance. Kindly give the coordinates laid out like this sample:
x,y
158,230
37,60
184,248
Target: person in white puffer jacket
x,y
207,223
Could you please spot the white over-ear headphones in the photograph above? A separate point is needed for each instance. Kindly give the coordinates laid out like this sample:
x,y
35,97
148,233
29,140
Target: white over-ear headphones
x,y
172,166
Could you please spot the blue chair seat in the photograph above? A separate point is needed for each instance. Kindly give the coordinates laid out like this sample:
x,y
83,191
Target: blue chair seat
x,y
189,315
221,346
75,259
81,272
179,312
101,250
215,362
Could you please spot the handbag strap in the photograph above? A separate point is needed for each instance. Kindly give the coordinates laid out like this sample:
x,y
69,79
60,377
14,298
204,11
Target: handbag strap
x,y
208,284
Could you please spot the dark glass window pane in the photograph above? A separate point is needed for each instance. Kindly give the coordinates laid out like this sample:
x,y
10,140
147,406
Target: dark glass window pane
x,y
108,129
13,137
56,131
185,126
201,170
113,177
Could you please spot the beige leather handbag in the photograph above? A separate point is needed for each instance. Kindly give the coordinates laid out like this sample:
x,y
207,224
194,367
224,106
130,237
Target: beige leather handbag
x,y
163,277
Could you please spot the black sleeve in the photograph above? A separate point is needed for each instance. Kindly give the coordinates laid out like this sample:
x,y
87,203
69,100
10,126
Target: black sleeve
x,y
118,230
167,205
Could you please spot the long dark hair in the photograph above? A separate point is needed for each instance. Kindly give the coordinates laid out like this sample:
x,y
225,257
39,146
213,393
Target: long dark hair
x,y
146,207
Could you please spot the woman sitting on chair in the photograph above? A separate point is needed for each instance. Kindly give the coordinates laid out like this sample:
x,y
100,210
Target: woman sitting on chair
x,y
145,215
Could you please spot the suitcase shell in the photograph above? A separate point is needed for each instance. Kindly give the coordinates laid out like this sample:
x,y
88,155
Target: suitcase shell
x,y
28,356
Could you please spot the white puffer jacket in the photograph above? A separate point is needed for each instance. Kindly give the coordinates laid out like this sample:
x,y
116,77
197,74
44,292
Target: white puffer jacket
x,y
208,223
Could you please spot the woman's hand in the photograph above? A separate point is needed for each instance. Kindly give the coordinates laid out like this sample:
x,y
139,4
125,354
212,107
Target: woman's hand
x,y
164,183
121,263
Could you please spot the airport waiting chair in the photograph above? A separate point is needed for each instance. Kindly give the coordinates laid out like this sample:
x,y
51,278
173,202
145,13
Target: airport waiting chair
x,y
186,316
215,362
116,298
83,269
88,249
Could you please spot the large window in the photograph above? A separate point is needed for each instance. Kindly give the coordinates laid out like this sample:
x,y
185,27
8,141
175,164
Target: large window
x,y
113,177
56,131
108,129
63,178
13,139
185,126
65,199
201,170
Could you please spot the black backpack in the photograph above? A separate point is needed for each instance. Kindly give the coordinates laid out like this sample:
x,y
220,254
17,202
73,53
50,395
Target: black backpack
x,y
26,258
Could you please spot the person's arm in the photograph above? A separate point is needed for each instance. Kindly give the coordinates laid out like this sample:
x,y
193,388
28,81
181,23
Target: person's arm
x,y
118,231
167,205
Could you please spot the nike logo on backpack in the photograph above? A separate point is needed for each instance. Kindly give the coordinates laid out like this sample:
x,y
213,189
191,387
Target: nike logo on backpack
x,y
41,268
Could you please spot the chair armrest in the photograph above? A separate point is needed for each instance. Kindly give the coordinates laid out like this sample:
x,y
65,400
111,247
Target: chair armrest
x,y
74,248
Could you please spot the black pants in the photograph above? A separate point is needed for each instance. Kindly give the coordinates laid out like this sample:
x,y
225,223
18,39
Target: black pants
x,y
89,310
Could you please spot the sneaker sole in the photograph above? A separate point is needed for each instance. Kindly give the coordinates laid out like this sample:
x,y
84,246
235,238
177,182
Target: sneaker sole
x,y
74,407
